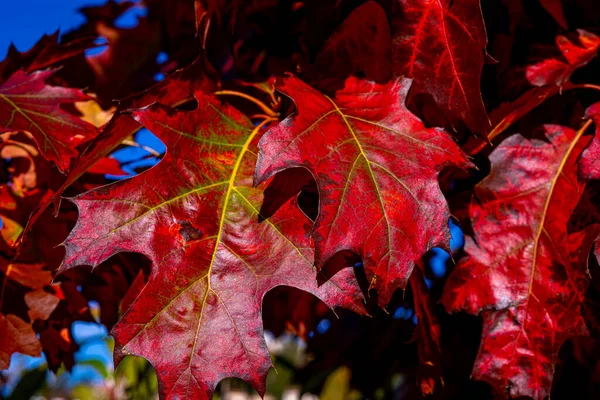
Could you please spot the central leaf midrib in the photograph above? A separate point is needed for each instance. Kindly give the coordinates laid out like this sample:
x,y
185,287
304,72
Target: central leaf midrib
x,y
230,188
216,237
370,170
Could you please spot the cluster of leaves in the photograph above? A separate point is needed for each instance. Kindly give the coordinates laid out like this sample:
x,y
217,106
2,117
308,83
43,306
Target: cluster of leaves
x,y
321,145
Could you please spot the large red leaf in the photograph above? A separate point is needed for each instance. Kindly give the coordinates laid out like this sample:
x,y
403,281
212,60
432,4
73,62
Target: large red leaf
x,y
376,168
28,104
198,319
441,44
526,270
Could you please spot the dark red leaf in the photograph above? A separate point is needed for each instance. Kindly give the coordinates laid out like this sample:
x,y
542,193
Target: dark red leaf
x,y
47,52
361,44
441,44
17,334
55,329
125,66
555,9
44,311
107,165
526,270
114,285
509,113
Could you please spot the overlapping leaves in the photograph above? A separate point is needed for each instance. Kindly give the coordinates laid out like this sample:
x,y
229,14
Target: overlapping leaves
x,y
28,104
195,215
376,166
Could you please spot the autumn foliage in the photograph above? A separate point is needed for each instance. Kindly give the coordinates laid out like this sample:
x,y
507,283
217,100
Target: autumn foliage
x,y
320,145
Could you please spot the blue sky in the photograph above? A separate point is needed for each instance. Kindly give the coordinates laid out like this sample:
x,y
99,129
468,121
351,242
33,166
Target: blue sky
x,y
23,22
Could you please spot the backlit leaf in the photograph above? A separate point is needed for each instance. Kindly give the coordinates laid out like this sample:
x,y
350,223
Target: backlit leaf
x,y
28,104
195,215
376,168
526,270
441,45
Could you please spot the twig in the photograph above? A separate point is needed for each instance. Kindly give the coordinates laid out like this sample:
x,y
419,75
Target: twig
x,y
266,109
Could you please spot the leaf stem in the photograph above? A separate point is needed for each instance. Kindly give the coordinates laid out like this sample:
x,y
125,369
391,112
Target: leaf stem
x,y
495,132
584,86
150,150
266,109
584,127
263,88
259,116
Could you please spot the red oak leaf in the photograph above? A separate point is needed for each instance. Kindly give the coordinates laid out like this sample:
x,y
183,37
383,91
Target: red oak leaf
x,y
558,71
28,104
441,44
195,216
528,259
375,165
